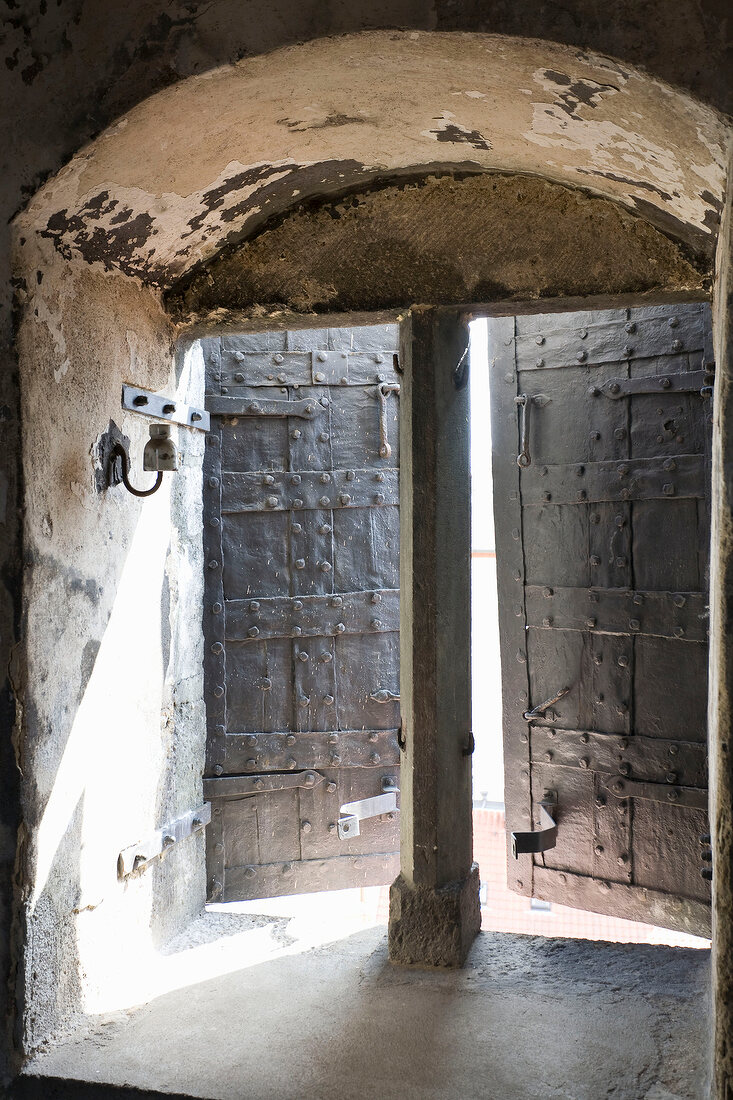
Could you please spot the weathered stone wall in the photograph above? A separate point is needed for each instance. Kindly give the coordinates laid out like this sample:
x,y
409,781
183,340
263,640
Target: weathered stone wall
x,y
111,740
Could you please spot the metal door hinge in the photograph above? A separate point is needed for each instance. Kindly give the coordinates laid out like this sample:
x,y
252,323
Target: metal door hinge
x,y
305,409
354,812
164,408
691,798
689,382
544,838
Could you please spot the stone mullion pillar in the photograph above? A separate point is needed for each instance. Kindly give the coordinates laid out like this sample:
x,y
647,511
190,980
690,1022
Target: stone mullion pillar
x,y
434,906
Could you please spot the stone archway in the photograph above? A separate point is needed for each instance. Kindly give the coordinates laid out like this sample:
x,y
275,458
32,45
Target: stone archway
x,y
195,169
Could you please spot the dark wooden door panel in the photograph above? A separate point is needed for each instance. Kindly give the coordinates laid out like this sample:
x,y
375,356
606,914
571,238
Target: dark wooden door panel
x,y
602,554
302,608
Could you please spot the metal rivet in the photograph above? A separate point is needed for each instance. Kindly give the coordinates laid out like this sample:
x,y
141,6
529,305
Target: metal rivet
x,y
295,434
634,624
581,356
599,849
515,533
296,528
623,858
340,628
213,482
539,340
625,768
325,567
628,351
302,656
590,623
630,326
324,529
213,564
584,738
217,608
331,787
350,475
218,770
614,387
300,563
217,647
375,624
668,489
345,498
253,632
584,762
547,593
548,756
583,333
306,826
679,632
297,605
673,796
595,560
547,497
336,601
581,494
622,471
379,476
325,478
325,502
620,562
595,436
676,345
539,362
219,691
679,601
272,502
669,464
297,503
319,377
545,622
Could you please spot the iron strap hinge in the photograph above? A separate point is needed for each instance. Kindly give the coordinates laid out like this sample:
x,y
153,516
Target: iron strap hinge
x,y
689,382
306,409
164,408
542,839
691,798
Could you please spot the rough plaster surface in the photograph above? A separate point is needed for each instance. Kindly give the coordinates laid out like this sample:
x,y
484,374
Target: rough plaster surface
x,y
720,714
556,1019
110,745
443,240
153,195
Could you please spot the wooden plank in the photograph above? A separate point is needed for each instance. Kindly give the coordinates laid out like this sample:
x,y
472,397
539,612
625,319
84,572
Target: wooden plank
x,y
635,479
640,903
308,876
680,614
656,760
276,491
607,337
436,631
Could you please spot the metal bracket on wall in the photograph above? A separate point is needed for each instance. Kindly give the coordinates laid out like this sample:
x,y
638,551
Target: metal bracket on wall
x,y
164,408
138,856
539,840
687,382
354,812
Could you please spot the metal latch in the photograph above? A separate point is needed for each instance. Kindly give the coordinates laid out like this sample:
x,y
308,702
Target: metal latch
x,y
539,711
354,812
524,403
539,840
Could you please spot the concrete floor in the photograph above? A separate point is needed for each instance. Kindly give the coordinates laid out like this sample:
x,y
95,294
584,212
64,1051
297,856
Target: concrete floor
x,y
284,1014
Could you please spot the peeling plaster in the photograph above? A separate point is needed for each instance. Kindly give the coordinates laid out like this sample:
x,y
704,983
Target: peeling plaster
x,y
204,163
